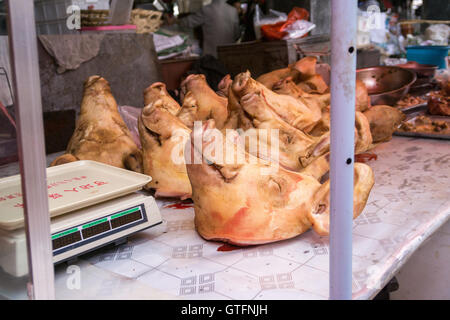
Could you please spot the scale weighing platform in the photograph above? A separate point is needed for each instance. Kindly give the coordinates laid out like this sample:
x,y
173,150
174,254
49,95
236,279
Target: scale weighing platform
x,y
91,205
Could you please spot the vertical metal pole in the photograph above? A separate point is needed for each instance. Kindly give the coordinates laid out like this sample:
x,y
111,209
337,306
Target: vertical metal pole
x,y
343,76
30,137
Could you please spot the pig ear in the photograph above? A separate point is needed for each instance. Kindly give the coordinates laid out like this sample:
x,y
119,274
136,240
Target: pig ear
x,y
314,84
319,167
160,86
320,214
306,66
148,138
158,91
134,162
65,158
155,87
93,79
210,136
364,138
240,82
188,111
364,180
224,86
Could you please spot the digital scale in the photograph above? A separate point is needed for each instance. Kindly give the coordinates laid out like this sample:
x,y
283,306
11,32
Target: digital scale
x,y
91,205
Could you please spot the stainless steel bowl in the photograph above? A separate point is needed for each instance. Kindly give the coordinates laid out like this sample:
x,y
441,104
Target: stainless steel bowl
x,y
422,70
386,84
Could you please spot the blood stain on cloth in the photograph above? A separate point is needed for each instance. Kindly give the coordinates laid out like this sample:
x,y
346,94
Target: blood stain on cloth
x,y
365,157
228,247
179,206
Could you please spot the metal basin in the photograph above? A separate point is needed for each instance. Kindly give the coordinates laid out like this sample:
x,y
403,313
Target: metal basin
x,y
422,70
386,84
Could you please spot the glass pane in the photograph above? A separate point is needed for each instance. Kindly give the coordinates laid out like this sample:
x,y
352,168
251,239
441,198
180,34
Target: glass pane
x,y
13,245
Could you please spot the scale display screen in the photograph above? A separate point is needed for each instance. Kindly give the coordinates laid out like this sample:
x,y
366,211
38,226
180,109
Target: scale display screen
x,y
67,239
122,219
87,232
96,229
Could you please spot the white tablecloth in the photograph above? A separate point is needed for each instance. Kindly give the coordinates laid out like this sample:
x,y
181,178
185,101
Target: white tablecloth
x,y
410,200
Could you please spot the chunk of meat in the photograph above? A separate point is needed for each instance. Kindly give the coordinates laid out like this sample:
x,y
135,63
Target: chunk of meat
x,y
224,86
163,139
158,91
363,181
299,71
363,133
271,78
314,102
295,148
426,125
318,168
439,106
309,80
362,99
314,84
383,120
63,159
291,110
321,101
100,132
209,105
306,67
323,125
254,202
236,118
288,87
236,115
189,111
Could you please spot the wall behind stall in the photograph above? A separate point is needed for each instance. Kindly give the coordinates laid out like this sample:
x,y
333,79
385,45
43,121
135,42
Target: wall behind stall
x,y
128,61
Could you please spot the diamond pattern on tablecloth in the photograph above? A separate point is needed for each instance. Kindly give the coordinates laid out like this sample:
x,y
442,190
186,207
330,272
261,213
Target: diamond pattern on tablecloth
x,y
403,202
